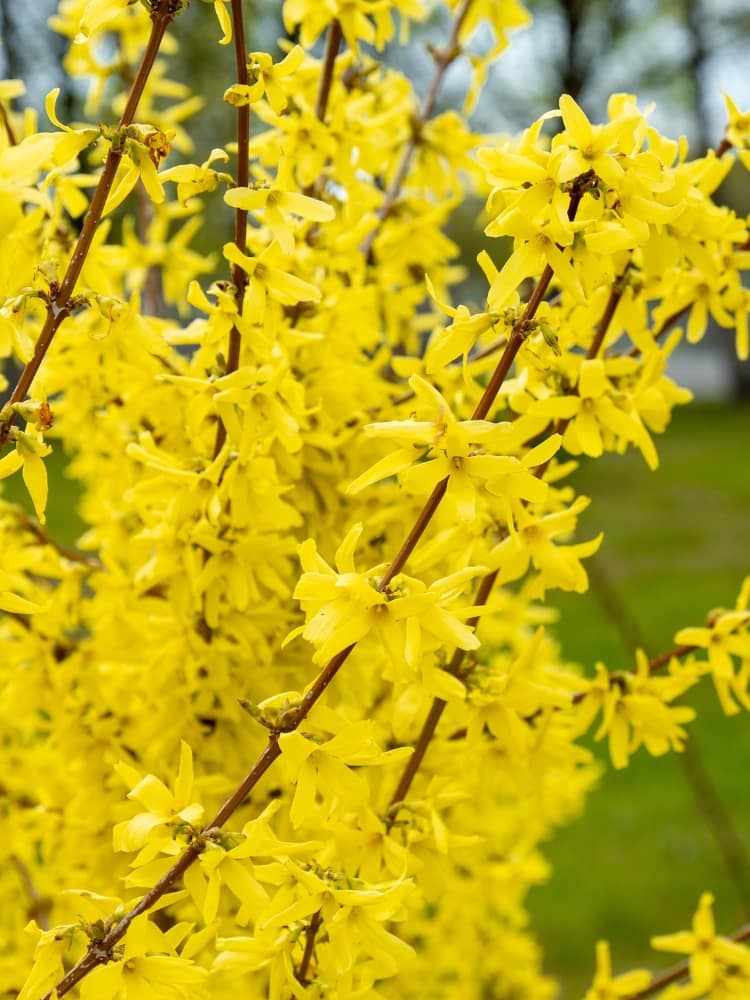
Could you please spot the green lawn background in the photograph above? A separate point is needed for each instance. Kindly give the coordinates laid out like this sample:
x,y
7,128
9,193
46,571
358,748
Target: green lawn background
x,y
677,544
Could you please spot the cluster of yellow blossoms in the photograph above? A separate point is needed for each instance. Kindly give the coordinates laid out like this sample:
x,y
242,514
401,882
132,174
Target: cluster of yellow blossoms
x,y
322,520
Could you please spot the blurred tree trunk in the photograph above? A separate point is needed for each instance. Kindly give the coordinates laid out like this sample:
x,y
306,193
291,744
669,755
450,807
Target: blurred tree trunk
x,y
29,50
695,16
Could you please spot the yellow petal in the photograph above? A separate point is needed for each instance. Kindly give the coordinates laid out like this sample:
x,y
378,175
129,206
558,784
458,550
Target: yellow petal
x,y
306,208
17,605
35,478
592,381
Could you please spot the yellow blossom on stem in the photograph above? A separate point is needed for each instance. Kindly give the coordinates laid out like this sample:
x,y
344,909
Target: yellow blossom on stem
x,y
152,830
727,636
275,205
458,449
269,79
193,180
605,987
592,410
531,542
148,966
708,952
269,280
342,606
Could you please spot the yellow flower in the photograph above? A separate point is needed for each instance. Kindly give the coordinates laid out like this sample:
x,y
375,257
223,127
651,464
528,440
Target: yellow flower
x,y
29,451
738,127
708,952
342,606
192,179
48,959
97,14
592,410
458,338
727,636
144,147
327,770
455,449
267,79
165,809
531,542
582,146
225,20
148,967
605,987
635,709
269,280
275,206
12,602
354,916
73,141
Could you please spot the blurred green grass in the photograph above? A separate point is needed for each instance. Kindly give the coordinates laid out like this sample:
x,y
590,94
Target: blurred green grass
x,y
64,523
677,544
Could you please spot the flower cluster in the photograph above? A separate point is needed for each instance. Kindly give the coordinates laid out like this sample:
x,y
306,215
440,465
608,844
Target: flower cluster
x,y
324,507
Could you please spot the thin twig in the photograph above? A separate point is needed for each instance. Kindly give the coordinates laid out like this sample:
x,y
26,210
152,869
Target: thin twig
x,y
73,555
100,952
4,118
304,966
333,42
239,276
444,58
39,905
615,295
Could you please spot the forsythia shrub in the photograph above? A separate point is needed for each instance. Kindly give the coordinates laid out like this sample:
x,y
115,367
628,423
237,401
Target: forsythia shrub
x,y
289,722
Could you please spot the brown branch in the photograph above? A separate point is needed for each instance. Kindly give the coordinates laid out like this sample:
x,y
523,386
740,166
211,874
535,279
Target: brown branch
x,y
153,298
443,59
100,952
723,147
304,966
30,524
59,307
239,276
423,519
615,295
333,42
662,661
485,352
